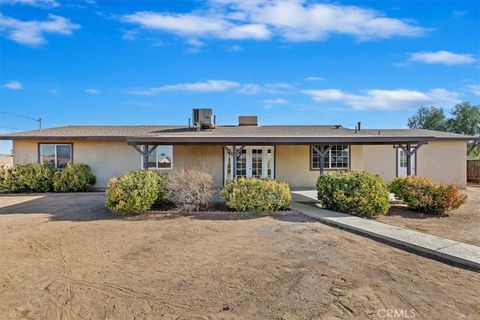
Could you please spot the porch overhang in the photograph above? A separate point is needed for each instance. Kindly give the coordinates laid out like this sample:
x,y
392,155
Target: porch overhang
x,y
370,140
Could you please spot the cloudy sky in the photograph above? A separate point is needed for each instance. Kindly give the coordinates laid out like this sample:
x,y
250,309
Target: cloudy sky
x,y
288,61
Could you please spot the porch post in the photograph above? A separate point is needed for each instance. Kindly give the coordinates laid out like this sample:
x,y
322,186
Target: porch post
x,y
409,152
322,156
409,161
234,162
145,152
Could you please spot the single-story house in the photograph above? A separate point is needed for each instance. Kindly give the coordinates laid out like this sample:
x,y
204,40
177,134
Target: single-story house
x,y
296,154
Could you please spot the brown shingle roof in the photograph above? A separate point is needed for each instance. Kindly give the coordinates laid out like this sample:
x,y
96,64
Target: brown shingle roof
x,y
222,134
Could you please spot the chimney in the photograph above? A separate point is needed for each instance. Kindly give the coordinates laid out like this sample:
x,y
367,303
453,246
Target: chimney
x,y
359,125
247,121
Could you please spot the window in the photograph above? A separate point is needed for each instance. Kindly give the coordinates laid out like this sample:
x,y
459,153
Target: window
x,y
336,158
55,155
403,159
161,158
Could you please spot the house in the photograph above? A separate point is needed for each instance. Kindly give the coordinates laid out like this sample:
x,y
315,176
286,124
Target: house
x,y
296,154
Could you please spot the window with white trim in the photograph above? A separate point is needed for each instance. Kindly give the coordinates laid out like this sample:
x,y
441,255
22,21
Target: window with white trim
x,y
55,156
338,157
161,158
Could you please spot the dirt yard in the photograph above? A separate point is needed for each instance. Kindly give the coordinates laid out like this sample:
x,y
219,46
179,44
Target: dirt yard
x,y
65,257
462,224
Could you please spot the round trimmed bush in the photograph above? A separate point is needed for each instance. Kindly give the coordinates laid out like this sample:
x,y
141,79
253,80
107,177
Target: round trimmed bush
x,y
259,196
357,193
423,195
73,178
135,192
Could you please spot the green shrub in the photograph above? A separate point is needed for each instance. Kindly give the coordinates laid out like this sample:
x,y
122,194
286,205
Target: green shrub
x,y
423,195
259,196
190,190
73,178
135,192
26,178
357,193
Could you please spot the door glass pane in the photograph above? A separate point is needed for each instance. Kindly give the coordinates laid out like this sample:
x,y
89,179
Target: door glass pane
x,y
64,155
257,163
242,164
164,157
403,159
47,155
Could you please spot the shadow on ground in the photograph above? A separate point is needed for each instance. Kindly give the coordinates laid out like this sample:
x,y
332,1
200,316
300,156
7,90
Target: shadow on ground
x,y
404,212
60,207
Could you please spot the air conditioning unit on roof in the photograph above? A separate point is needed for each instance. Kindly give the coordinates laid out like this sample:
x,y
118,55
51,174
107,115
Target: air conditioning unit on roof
x,y
202,118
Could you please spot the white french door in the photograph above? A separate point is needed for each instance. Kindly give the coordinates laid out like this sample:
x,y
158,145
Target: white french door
x,y
253,162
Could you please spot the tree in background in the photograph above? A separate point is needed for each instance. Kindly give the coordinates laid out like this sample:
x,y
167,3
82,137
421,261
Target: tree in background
x,y
465,119
428,118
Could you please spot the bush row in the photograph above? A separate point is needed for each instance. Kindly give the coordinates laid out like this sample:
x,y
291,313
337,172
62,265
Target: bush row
x,y
37,178
191,190
425,196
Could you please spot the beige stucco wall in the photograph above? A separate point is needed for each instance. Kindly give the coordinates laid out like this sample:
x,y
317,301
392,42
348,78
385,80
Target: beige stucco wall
x,y
444,162
112,158
440,161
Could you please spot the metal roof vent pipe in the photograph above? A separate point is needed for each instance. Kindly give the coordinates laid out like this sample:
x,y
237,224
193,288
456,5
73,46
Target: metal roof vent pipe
x,y
359,125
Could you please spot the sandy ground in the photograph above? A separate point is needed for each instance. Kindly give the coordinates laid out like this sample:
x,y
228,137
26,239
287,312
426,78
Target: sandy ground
x,y
462,224
64,257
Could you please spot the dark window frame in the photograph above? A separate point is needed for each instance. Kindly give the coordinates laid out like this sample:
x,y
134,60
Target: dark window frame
x,y
330,164
39,145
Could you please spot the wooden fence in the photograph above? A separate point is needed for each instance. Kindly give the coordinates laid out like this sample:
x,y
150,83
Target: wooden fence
x,y
473,171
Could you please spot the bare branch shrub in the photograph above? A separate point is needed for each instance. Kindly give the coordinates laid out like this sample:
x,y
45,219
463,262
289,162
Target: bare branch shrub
x,y
190,190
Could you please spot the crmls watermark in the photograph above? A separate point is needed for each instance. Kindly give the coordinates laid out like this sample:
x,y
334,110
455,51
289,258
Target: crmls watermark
x,y
396,313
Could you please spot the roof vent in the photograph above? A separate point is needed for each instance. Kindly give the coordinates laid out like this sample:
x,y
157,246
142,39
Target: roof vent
x,y
247,121
338,126
202,119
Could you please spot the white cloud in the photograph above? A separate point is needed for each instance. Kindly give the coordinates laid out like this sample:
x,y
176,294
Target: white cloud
x,y
35,3
209,86
314,79
386,99
200,87
442,57
475,89
235,48
130,35
31,33
292,20
13,85
268,103
92,91
197,25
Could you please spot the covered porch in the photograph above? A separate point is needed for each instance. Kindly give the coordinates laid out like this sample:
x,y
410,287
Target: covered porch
x,y
297,162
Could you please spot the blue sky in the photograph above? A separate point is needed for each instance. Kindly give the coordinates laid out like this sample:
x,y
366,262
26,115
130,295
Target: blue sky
x,y
289,62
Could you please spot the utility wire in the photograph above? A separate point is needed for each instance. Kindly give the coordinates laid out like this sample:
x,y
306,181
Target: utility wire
x,y
39,120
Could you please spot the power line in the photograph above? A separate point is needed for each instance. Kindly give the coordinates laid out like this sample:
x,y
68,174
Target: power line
x,y
39,120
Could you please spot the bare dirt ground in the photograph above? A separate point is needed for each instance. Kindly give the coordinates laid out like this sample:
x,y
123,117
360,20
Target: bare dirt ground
x,y
462,224
65,257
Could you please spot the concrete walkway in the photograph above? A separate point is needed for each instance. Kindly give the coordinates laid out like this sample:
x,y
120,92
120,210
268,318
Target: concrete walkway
x,y
448,250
